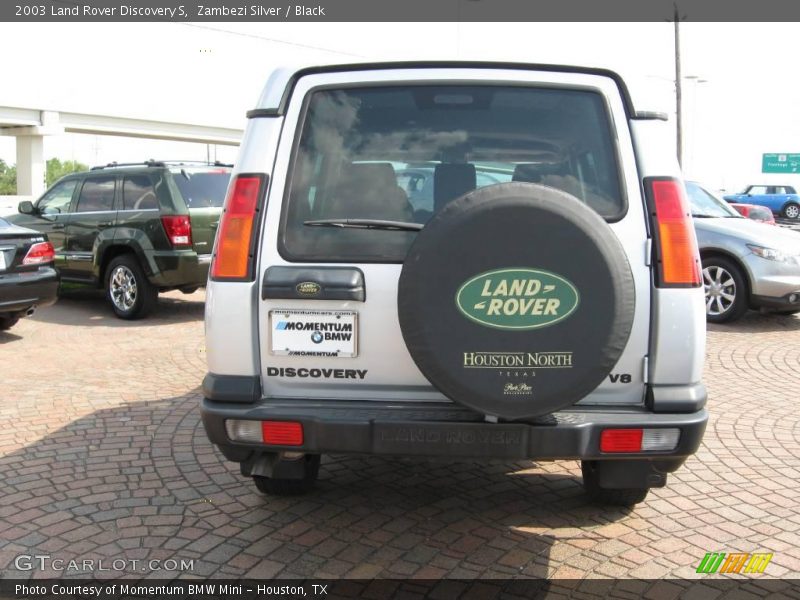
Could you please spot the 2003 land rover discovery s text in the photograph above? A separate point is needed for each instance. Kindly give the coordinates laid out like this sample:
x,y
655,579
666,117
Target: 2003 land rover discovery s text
x,y
546,303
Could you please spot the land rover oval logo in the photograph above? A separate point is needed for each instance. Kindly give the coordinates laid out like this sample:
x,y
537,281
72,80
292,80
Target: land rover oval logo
x,y
308,288
517,298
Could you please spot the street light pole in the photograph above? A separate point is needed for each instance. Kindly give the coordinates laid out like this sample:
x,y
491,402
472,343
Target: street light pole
x,y
678,91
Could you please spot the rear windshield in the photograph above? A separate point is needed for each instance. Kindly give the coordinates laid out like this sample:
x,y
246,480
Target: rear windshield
x,y
400,153
705,205
202,189
759,213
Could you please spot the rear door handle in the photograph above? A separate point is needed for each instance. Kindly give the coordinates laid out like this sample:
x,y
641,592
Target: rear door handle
x,y
58,226
313,283
105,223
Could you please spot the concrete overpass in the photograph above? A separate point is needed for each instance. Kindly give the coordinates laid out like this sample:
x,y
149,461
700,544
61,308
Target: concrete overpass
x,y
29,126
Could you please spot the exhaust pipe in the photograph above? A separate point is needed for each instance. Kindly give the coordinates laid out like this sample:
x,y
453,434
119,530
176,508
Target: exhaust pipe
x,y
30,311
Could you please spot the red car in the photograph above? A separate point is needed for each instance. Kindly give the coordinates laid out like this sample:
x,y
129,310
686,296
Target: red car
x,y
757,213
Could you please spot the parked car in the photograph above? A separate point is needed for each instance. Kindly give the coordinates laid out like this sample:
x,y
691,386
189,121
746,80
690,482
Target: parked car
x,y
27,278
134,229
782,200
745,264
520,320
757,213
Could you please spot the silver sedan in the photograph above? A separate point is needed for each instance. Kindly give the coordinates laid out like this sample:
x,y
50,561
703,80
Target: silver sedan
x,y
746,264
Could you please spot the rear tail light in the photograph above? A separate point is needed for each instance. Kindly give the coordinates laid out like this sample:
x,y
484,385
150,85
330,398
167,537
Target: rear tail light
x,y
677,255
621,440
282,433
39,254
639,440
179,230
274,433
233,256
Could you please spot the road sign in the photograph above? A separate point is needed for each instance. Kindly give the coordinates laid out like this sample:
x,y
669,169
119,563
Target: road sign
x,y
780,163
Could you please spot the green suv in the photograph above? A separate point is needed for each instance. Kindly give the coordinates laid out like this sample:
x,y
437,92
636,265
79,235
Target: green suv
x,y
134,229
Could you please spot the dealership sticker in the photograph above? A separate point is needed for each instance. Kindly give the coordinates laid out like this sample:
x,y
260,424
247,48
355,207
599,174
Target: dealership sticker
x,y
318,333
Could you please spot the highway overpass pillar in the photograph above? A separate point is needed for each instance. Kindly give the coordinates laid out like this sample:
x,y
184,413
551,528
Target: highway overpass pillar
x,y
30,165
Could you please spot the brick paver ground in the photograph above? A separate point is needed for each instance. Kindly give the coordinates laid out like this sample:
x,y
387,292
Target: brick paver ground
x,y
103,456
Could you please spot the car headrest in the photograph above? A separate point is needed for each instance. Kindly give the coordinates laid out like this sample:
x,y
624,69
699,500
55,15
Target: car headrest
x,y
369,191
369,175
527,172
451,180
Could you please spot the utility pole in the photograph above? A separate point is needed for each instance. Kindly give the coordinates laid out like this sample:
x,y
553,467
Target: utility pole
x,y
678,94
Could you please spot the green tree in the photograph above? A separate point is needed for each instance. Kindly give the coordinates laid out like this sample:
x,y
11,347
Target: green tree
x,y
56,169
8,179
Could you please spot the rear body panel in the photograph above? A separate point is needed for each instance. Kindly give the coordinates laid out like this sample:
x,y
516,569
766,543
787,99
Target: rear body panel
x,y
392,408
390,373
23,286
676,352
204,226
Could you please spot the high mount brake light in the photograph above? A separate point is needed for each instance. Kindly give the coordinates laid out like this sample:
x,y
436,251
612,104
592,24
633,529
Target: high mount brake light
x,y
39,254
677,256
233,258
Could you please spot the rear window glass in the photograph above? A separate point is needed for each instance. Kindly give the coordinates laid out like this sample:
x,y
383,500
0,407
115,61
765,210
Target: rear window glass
x,y
705,205
202,189
760,213
400,153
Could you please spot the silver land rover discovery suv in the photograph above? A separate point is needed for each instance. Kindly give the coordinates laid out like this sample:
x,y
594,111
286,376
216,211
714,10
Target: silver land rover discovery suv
x,y
542,300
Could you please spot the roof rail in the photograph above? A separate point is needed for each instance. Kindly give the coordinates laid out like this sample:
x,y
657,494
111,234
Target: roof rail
x,y
146,163
203,163
163,163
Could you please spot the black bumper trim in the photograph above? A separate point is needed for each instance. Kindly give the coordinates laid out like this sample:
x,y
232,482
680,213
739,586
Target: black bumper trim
x,y
778,304
676,398
232,388
362,427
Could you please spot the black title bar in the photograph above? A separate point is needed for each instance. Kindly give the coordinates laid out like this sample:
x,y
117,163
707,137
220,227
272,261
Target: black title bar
x,y
396,10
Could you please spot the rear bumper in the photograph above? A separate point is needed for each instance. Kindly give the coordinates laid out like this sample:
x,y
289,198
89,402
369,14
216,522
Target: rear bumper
x,y
444,430
21,291
179,268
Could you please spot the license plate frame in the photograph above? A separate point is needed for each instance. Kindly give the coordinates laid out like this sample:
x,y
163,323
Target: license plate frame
x,y
292,333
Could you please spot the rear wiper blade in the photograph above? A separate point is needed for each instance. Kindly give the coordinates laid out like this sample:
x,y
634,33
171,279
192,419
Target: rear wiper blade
x,y
702,216
365,224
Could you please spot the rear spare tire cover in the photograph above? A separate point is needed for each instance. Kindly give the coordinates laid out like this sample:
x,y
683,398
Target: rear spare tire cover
x,y
516,300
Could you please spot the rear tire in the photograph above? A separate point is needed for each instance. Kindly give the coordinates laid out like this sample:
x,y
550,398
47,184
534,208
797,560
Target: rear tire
x,y
609,497
131,295
791,210
725,288
7,323
291,487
